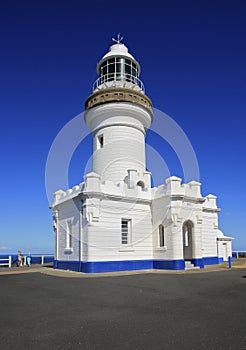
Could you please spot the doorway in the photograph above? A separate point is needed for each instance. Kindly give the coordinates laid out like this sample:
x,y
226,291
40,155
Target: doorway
x,y
187,240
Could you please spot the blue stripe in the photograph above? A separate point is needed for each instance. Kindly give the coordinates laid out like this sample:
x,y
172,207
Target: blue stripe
x,y
211,260
198,262
124,265
130,265
169,264
104,266
114,266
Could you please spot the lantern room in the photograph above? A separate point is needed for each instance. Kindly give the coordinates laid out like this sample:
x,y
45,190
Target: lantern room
x,y
118,68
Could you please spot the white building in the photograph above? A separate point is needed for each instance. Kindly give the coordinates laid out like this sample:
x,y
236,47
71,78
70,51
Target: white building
x,y
114,220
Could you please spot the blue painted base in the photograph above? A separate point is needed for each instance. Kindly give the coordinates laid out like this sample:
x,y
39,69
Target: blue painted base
x,y
169,264
111,266
198,262
211,260
104,266
130,265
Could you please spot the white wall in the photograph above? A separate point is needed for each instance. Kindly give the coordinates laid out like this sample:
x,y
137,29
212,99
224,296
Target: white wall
x,y
123,149
123,126
104,235
209,234
68,211
106,203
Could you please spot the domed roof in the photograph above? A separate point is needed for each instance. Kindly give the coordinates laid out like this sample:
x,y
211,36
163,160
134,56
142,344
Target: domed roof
x,y
118,50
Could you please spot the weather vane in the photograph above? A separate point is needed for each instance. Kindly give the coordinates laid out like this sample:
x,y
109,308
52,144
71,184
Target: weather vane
x,y
118,40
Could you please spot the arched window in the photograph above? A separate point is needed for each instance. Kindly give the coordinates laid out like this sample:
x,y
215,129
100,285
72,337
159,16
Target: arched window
x,y
141,184
161,236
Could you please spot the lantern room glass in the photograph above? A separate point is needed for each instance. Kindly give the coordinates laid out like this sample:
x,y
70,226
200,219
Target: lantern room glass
x,y
118,68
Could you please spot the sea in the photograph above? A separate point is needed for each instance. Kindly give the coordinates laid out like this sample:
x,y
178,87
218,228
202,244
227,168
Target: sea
x,y
35,258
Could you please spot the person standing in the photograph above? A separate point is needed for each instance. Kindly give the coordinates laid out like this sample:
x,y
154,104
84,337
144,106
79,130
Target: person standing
x,y
19,258
28,259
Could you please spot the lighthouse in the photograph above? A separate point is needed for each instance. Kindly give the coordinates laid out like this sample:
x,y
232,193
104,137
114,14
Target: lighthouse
x,y
114,220
118,114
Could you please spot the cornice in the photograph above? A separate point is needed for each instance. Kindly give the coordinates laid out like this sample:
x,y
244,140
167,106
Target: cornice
x,y
118,95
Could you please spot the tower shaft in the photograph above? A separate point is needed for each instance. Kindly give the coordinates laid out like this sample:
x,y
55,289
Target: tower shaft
x,y
118,114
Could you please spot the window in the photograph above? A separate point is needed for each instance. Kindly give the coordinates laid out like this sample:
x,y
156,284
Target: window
x,y
128,72
134,72
119,65
125,231
141,184
69,235
100,141
161,236
111,61
104,70
111,68
119,68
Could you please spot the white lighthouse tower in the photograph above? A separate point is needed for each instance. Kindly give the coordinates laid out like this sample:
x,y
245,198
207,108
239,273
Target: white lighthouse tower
x,y
118,114
114,220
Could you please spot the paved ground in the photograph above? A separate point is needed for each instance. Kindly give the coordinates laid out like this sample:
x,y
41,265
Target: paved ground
x,y
200,310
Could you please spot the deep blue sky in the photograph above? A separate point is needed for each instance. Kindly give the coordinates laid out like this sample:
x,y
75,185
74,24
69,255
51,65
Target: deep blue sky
x,y
192,55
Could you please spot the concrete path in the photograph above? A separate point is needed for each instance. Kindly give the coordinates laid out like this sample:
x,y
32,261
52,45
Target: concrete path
x,y
166,311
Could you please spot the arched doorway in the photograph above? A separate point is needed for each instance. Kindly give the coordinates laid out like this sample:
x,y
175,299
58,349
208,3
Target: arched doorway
x,y
187,239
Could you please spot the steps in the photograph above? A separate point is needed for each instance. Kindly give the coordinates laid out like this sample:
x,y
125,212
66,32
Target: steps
x,y
190,266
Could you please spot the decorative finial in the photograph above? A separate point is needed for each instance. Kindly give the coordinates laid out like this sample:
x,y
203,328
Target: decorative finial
x,y
118,40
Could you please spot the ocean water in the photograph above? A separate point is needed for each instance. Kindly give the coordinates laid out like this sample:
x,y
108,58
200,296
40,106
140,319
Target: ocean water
x,y
35,258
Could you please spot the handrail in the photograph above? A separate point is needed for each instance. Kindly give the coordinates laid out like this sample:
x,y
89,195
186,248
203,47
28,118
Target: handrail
x,y
9,261
118,77
237,253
